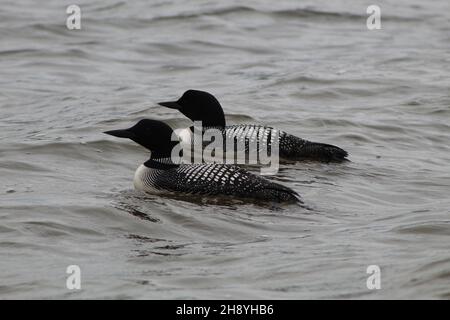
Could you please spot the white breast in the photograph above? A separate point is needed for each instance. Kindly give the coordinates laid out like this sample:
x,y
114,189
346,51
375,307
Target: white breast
x,y
144,179
185,136
186,142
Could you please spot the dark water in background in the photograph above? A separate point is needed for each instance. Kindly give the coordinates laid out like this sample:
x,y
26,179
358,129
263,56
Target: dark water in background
x,y
311,68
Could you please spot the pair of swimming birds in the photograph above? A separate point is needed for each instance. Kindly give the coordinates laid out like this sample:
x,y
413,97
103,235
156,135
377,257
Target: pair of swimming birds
x,y
161,174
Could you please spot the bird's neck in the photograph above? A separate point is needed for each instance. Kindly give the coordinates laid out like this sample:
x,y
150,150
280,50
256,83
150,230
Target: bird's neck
x,y
160,161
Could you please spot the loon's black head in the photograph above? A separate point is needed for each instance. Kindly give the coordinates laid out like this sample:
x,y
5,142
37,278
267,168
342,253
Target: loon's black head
x,y
199,106
154,135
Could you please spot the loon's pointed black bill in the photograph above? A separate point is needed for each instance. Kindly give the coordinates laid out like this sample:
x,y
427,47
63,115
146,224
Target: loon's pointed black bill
x,y
121,133
170,104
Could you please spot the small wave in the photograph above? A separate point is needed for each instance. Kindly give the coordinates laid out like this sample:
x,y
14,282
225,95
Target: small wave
x,y
109,7
52,228
312,13
303,13
15,52
22,166
304,79
239,118
216,12
295,13
429,228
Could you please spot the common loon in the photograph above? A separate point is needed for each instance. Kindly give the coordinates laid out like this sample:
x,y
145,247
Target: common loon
x,y
163,174
203,106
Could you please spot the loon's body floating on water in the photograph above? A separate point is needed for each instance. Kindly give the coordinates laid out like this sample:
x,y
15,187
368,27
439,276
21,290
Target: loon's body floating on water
x,y
161,174
203,106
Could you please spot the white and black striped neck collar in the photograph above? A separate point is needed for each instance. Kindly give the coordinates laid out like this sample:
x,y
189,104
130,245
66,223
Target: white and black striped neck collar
x,y
160,163
204,128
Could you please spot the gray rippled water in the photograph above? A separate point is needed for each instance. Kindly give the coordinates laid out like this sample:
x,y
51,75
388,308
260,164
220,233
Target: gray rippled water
x,y
311,68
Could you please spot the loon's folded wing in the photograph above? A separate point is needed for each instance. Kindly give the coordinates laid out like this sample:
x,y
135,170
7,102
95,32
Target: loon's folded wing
x,y
218,179
290,147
